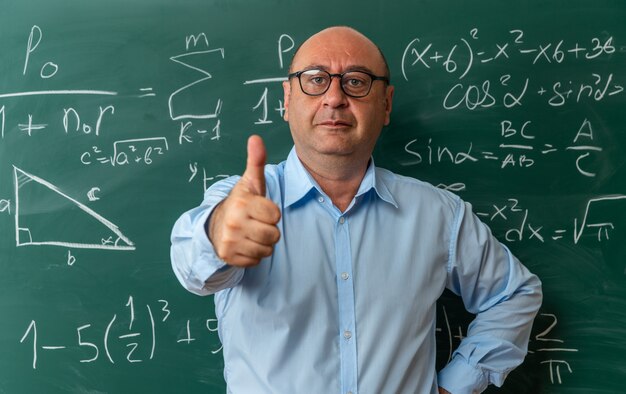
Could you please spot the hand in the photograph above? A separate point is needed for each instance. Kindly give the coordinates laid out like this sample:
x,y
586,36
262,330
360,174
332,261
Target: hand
x,y
443,391
243,227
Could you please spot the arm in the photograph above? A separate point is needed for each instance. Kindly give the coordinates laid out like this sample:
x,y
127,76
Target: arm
x,y
194,260
502,293
235,227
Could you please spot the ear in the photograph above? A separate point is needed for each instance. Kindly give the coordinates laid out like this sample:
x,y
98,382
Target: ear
x,y
388,101
286,96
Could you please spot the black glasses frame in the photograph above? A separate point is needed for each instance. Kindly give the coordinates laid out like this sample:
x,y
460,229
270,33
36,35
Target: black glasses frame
x,y
340,76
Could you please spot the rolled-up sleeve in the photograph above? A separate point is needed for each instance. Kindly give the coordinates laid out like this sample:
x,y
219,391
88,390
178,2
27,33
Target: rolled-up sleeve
x,y
193,258
504,295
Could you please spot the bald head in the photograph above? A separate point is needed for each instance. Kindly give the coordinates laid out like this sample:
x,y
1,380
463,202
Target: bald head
x,y
334,38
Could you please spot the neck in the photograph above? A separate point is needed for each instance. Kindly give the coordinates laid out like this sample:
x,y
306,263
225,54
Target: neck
x,y
340,180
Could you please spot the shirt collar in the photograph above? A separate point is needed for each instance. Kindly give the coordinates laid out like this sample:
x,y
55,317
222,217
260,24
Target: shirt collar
x,y
298,182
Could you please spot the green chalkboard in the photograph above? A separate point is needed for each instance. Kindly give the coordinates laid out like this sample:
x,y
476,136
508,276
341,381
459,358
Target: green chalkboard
x,y
116,115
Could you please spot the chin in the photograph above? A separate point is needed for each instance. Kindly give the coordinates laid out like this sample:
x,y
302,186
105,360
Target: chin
x,y
335,150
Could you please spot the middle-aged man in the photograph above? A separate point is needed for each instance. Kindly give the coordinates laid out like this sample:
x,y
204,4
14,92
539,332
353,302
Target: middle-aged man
x,y
326,269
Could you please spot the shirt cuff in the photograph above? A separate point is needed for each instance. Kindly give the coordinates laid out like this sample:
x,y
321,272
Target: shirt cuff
x,y
459,377
209,261
195,263
210,270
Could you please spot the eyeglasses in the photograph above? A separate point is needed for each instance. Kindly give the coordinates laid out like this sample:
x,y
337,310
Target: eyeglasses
x,y
355,84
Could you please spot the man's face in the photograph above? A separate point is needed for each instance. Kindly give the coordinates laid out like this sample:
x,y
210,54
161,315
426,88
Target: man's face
x,y
334,124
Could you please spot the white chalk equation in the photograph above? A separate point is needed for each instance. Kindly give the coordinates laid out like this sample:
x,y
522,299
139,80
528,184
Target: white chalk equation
x,y
558,353
206,121
508,90
196,104
602,228
125,152
132,337
598,226
461,57
285,45
518,148
39,232
263,104
48,70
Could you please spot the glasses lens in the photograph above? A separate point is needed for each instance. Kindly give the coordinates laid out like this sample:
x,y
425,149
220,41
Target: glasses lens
x,y
356,83
314,82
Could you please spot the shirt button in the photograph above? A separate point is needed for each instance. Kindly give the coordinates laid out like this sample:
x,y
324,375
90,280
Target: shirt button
x,y
347,334
345,275
320,199
342,220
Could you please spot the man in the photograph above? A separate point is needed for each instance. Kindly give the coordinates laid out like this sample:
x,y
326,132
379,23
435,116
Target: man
x,y
326,269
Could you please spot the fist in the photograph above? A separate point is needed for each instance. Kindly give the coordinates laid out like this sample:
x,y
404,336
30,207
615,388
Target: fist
x,y
243,228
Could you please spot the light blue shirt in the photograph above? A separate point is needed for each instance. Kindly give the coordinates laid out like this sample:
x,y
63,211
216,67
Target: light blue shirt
x,y
346,303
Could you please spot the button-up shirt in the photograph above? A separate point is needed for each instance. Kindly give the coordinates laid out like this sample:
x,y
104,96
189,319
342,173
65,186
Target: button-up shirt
x,y
347,301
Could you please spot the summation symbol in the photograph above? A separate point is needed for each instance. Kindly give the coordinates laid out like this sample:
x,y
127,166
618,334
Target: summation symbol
x,y
182,60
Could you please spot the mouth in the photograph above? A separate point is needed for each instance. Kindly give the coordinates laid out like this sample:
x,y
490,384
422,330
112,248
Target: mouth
x,y
335,123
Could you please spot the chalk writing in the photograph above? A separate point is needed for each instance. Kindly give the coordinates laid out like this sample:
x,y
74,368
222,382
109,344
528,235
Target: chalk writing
x,y
25,236
70,114
203,114
499,80
262,104
49,69
554,365
120,341
525,230
461,57
140,150
518,149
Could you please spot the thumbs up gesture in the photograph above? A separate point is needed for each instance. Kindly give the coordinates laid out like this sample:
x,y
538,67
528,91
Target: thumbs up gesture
x,y
243,227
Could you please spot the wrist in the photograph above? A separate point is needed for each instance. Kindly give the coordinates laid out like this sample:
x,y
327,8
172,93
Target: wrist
x,y
211,224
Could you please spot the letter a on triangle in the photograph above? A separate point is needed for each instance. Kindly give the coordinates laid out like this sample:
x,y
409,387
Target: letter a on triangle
x,y
44,215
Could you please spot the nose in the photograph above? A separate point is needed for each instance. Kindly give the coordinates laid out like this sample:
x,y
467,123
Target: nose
x,y
335,96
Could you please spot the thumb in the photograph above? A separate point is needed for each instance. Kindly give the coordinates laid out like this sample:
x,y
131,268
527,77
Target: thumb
x,y
255,166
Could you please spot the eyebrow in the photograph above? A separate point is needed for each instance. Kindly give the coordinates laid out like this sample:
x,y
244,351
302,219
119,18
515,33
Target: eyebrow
x,y
347,69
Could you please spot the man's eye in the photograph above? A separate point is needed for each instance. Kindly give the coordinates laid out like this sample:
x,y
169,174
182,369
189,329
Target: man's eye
x,y
355,82
319,80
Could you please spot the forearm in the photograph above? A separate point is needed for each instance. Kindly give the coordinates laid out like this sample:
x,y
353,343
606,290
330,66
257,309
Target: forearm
x,y
496,340
505,298
193,257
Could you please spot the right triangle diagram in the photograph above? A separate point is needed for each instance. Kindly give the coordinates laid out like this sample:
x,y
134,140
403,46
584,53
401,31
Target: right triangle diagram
x,y
44,215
